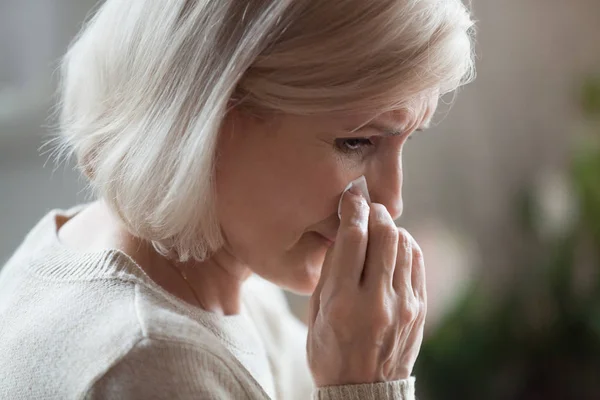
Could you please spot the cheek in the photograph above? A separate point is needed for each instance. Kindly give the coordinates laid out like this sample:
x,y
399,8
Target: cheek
x,y
268,201
263,214
318,191
302,193
277,216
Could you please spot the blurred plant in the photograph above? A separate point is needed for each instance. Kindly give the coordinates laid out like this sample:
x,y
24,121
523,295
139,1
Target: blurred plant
x,y
542,339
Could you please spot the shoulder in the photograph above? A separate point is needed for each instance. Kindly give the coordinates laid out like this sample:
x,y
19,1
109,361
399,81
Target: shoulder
x,y
172,353
161,369
85,321
178,354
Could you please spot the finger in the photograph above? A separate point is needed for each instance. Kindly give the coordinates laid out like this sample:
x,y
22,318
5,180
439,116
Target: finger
x,y
350,247
315,298
412,315
402,272
409,347
419,280
382,249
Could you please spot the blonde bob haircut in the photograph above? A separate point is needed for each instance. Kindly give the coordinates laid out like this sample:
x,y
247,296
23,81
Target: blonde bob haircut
x,y
147,83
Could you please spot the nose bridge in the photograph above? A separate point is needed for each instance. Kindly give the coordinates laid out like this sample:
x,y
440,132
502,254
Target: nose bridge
x,y
385,186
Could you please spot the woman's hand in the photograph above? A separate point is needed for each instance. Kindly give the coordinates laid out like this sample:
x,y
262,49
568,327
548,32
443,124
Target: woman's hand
x,y
368,310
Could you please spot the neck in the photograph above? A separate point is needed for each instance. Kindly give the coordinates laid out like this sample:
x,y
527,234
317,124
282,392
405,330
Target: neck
x,y
217,282
214,284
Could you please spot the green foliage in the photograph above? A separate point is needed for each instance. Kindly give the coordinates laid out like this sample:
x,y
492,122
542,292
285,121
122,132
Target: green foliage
x,y
542,339
590,99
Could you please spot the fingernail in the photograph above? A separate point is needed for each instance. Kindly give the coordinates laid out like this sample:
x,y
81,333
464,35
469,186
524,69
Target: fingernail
x,y
354,189
360,185
357,187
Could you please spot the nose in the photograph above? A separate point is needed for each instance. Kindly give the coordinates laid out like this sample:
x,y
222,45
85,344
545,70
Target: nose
x,y
385,186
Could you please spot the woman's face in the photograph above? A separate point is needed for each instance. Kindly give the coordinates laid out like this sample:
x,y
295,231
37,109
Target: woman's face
x,y
279,181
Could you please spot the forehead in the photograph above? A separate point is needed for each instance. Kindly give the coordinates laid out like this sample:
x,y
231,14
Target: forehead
x,y
415,115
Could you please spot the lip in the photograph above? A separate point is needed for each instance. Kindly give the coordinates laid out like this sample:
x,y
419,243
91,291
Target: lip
x,y
328,240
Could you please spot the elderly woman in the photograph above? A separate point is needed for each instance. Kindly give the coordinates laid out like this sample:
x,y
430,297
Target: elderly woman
x,y
219,138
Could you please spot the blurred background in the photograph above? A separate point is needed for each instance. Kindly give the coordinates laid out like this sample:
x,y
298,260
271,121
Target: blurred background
x,y
503,194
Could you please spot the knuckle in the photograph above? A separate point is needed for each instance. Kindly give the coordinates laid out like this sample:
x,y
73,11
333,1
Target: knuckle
x,y
386,232
338,310
417,253
408,311
423,308
354,234
424,294
404,240
381,319
380,215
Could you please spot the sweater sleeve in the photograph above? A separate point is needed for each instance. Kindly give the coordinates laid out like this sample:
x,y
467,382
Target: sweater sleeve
x,y
396,390
159,369
299,383
286,338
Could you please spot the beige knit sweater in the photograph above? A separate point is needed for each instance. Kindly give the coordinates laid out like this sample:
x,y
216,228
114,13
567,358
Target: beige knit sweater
x,y
77,325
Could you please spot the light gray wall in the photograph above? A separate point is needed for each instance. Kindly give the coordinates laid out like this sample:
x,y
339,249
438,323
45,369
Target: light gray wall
x,y
28,189
33,35
515,121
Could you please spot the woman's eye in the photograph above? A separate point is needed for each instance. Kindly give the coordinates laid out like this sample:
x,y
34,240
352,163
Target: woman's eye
x,y
353,145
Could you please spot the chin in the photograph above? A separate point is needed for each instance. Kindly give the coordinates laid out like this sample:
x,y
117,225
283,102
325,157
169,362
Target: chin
x,y
298,270
304,288
303,278
298,278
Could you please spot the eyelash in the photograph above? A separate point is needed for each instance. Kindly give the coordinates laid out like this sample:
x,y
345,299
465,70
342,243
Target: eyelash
x,y
342,145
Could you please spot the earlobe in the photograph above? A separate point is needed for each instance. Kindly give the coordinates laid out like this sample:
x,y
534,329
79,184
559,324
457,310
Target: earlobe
x,y
235,101
86,165
228,124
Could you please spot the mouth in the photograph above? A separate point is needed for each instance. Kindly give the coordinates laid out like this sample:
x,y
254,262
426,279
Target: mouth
x,y
329,240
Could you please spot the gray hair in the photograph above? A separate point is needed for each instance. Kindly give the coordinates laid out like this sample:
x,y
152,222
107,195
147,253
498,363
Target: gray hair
x,y
146,86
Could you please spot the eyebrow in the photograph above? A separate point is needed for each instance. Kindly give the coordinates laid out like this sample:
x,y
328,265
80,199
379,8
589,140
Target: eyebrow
x,y
388,130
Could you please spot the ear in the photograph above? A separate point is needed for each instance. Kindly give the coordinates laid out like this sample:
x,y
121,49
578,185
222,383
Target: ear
x,y
229,124
245,108
85,163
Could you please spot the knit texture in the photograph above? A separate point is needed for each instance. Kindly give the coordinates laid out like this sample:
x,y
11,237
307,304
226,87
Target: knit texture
x,y
93,325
